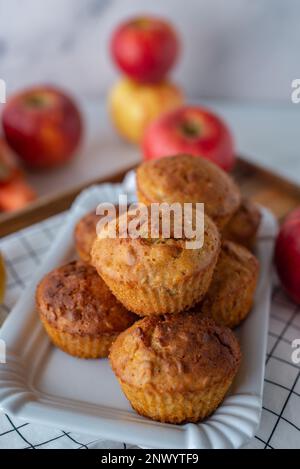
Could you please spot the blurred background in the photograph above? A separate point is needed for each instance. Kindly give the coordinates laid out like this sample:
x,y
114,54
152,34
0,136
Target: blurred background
x,y
238,56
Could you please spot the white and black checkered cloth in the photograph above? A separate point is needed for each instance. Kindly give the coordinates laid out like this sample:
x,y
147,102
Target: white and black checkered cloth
x,y
280,422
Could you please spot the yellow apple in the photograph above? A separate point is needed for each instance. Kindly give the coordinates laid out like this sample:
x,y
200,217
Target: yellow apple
x,y
134,105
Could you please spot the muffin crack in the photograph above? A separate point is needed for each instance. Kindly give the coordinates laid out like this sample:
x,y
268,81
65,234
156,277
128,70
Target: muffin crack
x,y
222,343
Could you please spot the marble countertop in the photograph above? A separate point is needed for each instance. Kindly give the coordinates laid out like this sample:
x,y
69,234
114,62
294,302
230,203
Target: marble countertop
x,y
266,134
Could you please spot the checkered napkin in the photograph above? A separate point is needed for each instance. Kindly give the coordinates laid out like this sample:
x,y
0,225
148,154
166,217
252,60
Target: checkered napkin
x,y
280,422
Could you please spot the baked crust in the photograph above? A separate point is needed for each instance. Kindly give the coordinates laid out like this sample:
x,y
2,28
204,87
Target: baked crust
x,y
243,226
185,178
85,234
74,303
156,275
175,368
231,293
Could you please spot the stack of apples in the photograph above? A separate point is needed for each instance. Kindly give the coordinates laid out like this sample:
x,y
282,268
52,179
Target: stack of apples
x,y
148,109
144,49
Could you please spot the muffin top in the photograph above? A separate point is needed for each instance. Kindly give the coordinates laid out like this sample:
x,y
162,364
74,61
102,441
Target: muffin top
x,y
185,178
234,262
175,353
244,224
158,261
75,299
235,272
230,294
85,235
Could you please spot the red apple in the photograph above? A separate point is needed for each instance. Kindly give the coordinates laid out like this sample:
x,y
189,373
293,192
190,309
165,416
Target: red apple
x,y
287,255
43,126
192,130
15,192
8,161
145,48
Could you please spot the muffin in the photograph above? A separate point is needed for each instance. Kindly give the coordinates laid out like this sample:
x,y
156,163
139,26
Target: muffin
x,y
156,275
78,311
185,178
243,226
85,234
175,368
230,295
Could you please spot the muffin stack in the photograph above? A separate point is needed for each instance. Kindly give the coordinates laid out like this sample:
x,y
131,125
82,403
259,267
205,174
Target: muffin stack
x,y
176,363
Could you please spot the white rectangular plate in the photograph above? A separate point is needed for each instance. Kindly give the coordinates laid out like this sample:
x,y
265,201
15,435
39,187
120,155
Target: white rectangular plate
x,y
39,383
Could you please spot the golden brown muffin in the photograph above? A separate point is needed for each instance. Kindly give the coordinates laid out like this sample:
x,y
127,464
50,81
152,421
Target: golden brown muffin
x,y
243,226
156,275
175,368
231,292
78,311
185,178
85,233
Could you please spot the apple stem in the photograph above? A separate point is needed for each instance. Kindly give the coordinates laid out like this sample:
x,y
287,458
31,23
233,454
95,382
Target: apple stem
x,y
191,129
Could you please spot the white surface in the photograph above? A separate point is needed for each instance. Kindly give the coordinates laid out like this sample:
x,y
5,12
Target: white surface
x,y
231,48
52,388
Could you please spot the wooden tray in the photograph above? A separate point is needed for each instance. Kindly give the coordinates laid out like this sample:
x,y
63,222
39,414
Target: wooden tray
x,y
261,185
